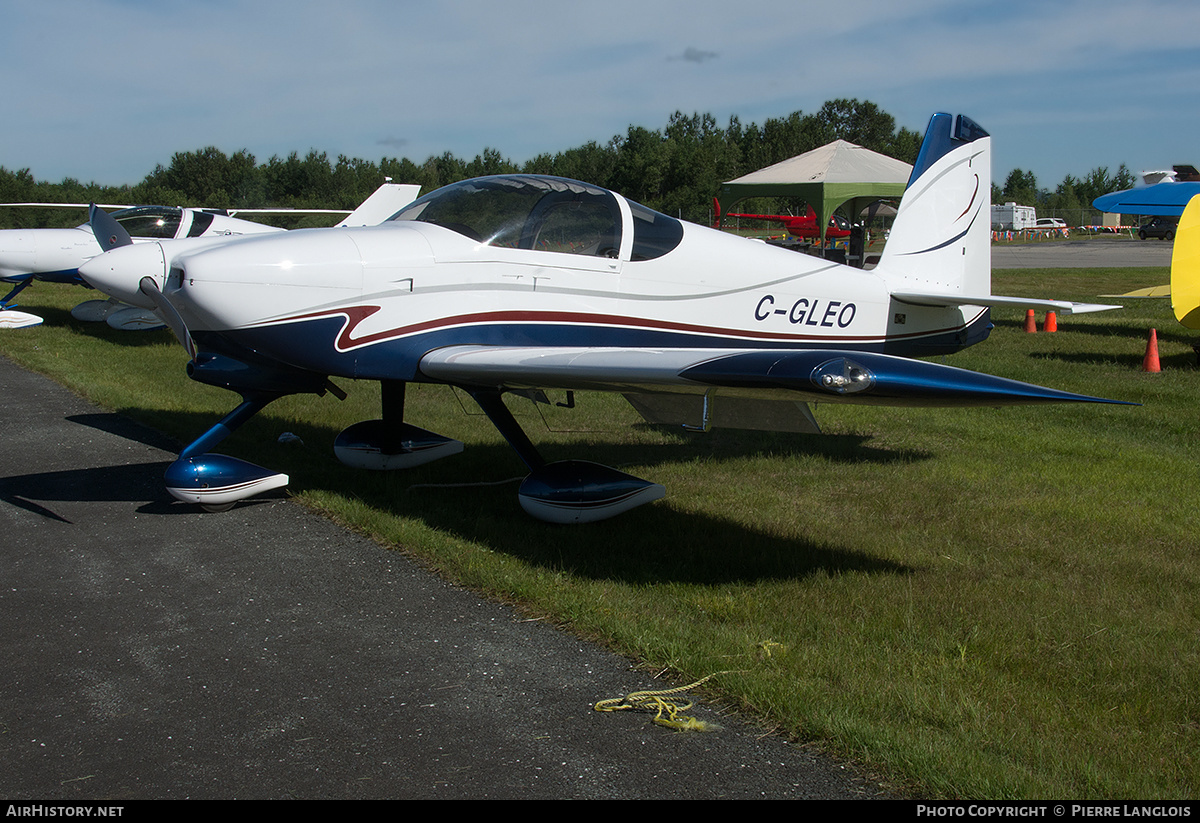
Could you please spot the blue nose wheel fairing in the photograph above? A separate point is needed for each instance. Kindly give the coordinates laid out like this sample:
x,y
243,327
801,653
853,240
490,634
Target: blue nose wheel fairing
x,y
217,481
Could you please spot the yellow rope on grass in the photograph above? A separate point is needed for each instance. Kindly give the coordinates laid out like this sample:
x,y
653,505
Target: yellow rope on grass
x,y
667,713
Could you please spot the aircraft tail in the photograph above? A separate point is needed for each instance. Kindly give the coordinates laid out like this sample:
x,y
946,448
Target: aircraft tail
x,y
1185,267
940,242
939,252
382,204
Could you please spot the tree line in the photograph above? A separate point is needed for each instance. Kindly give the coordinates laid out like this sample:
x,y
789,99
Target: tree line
x,y
1073,194
677,169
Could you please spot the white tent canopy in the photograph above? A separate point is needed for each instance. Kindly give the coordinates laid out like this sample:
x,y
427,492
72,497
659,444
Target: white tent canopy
x,y
826,178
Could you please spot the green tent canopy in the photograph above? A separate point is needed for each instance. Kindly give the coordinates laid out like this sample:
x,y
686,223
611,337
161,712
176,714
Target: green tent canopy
x,y
826,178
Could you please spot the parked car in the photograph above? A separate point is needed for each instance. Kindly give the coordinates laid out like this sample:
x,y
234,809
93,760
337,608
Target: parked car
x,y
1050,223
1161,227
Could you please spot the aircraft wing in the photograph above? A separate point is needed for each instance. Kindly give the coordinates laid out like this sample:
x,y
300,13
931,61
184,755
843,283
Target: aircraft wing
x,y
950,300
1166,199
116,206
798,375
382,204
61,205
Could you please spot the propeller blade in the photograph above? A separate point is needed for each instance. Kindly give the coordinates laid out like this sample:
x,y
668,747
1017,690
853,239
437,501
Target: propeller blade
x,y
109,233
167,312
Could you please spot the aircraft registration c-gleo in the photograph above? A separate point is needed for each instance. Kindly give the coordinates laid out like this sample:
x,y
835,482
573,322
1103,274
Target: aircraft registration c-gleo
x,y
518,283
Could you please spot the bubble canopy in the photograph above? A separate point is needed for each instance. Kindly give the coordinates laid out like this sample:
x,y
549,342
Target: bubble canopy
x,y
544,214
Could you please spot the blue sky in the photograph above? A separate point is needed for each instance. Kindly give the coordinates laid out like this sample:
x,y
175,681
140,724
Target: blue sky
x,y
104,90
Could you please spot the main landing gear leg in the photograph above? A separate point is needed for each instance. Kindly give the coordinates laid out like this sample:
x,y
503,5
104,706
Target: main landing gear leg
x,y
566,491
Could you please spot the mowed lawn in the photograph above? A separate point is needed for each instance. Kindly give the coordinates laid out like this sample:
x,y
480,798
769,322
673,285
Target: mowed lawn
x,y
983,603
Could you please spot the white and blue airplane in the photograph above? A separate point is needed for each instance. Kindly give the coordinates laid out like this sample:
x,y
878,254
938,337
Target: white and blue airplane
x,y
520,283
55,255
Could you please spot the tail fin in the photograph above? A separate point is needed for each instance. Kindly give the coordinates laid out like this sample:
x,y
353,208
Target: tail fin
x,y
1185,267
382,204
941,239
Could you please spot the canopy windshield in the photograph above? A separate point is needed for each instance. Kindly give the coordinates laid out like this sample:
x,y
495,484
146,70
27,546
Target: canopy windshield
x,y
526,212
161,222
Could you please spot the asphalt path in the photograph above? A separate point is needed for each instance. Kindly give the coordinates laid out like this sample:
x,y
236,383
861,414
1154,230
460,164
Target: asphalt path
x,y
1102,252
154,651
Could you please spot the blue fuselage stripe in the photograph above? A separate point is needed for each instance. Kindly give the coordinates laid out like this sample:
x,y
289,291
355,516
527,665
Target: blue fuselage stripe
x,y
399,358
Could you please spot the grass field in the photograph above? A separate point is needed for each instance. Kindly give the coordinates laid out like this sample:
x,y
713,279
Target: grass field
x,y
973,603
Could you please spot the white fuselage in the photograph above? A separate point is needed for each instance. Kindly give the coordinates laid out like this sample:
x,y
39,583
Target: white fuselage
x,y
58,253
363,299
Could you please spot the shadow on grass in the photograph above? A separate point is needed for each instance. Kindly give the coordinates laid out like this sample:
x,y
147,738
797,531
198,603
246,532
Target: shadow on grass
x,y
653,544
649,545
459,497
59,317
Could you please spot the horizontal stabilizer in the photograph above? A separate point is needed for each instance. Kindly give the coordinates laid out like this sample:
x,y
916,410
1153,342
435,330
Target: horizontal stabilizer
x,y
992,300
1150,291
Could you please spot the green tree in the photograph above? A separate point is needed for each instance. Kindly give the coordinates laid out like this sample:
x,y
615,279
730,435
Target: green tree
x,y
641,166
490,162
860,122
590,162
1020,187
208,178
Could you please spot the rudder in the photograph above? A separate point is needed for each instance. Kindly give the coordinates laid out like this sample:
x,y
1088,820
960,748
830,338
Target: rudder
x,y
941,239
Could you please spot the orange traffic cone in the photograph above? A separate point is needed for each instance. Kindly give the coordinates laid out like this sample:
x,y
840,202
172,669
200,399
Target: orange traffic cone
x,y
1150,362
1030,322
1051,324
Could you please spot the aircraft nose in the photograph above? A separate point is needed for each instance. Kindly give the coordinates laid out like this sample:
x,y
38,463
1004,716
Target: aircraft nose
x,y
250,279
312,258
119,272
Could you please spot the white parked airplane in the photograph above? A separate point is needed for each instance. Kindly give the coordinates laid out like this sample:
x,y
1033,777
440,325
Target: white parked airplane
x,y
517,283
55,255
